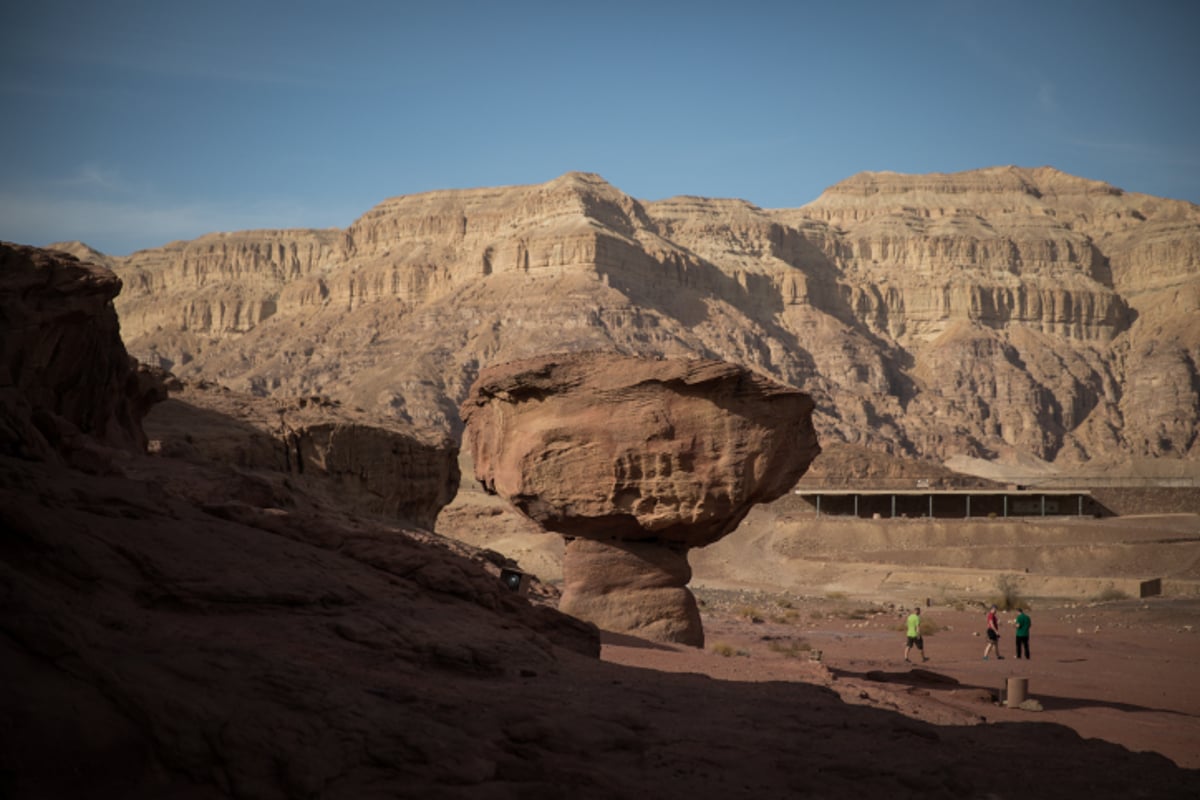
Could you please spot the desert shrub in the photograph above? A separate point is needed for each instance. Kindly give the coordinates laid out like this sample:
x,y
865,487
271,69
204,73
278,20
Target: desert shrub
x,y
751,613
728,650
949,600
853,613
1110,593
1008,595
790,648
835,595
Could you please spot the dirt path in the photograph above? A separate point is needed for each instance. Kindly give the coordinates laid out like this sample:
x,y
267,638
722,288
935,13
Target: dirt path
x,y
1119,671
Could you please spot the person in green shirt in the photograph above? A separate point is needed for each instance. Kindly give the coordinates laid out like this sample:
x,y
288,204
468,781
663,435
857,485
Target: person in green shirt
x,y
914,635
1022,635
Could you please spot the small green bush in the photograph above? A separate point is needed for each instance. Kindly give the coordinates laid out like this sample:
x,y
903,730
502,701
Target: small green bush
x,y
1008,594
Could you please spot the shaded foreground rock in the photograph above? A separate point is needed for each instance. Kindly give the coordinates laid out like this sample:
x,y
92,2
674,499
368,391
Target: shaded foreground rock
x,y
63,369
152,643
384,466
164,650
202,627
662,454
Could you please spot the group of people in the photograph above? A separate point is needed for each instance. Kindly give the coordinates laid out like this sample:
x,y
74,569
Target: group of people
x,y
993,633
1023,623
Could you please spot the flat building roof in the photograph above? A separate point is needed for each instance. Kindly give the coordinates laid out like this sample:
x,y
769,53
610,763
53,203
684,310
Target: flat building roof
x,y
976,492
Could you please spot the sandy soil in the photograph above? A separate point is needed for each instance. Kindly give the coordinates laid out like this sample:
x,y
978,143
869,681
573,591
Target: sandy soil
x,y
1120,671
785,585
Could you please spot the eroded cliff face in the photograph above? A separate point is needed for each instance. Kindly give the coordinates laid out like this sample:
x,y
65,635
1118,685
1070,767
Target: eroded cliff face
x,y
387,469
928,315
66,381
228,282
1023,294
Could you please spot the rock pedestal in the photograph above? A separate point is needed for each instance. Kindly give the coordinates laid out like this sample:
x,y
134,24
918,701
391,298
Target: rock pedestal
x,y
635,460
632,586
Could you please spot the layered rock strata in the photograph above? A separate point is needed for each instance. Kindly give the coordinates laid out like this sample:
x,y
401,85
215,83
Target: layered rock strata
x,y
1066,307
635,461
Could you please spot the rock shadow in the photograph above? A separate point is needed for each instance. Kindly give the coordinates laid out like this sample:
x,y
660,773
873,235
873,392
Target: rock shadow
x,y
931,680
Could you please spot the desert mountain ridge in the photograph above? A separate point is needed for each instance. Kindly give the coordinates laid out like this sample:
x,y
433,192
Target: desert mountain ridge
x,y
996,313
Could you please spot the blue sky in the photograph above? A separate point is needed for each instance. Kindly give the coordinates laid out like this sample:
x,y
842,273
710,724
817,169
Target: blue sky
x,y
132,124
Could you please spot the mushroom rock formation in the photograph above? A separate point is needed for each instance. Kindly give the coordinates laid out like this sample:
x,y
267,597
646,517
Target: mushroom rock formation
x,y
634,461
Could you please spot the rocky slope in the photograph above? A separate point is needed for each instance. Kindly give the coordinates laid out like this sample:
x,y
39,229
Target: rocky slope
x,y
388,469
998,310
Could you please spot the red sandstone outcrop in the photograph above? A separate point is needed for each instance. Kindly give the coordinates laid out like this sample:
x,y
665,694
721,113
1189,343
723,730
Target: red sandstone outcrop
x,y
181,626
64,372
635,461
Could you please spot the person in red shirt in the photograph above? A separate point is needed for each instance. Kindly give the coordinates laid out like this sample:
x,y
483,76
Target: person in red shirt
x,y
993,635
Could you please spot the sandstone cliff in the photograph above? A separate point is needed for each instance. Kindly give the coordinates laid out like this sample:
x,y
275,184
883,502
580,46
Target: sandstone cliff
x,y
929,316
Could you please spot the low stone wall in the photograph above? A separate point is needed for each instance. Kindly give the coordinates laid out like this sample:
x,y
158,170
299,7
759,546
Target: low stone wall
x,y
1149,500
